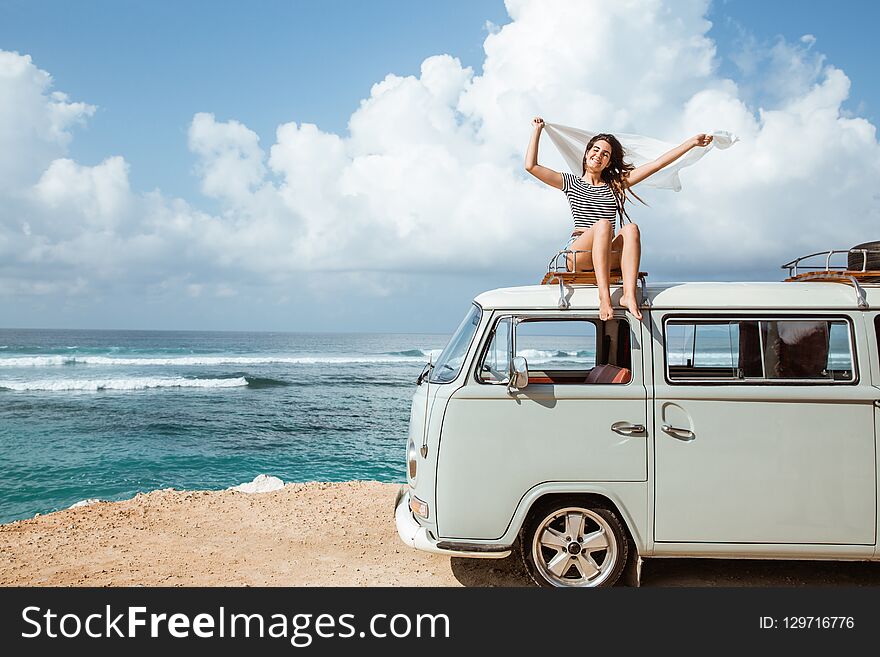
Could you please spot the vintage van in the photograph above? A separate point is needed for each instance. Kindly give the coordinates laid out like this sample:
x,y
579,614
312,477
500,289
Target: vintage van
x,y
736,420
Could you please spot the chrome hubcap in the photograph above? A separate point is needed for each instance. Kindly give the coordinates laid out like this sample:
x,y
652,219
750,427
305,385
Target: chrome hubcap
x,y
574,547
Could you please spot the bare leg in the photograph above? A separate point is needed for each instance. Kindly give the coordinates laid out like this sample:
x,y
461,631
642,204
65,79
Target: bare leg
x,y
597,240
631,252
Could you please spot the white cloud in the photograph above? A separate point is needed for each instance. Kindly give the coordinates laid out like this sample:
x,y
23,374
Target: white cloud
x,y
100,194
429,177
230,159
35,122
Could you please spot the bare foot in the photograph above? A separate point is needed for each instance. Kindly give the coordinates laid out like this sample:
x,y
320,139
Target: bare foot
x,y
605,309
630,304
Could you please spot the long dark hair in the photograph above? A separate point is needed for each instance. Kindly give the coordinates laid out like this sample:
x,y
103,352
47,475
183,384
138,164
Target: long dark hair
x,y
614,175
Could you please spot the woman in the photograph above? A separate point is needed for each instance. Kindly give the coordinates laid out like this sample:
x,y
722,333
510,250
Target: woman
x,y
596,199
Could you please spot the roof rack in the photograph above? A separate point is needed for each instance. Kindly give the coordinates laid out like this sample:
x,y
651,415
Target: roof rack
x,y
558,273
835,273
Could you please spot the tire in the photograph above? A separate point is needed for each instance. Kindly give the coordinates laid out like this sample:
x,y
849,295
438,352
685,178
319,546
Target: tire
x,y
855,261
570,543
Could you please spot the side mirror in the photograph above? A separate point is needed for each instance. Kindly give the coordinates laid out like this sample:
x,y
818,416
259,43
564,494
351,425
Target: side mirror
x,y
519,374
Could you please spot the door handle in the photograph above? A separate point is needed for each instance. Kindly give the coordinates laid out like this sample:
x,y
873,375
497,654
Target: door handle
x,y
681,434
627,429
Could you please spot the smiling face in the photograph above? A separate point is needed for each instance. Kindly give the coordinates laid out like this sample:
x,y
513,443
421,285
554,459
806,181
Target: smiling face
x,y
597,156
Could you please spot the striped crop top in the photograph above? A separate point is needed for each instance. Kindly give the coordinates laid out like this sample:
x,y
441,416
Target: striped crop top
x,y
589,203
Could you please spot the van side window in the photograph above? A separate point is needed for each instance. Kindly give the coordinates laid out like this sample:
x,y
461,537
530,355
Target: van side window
x,y
759,351
495,366
877,330
560,351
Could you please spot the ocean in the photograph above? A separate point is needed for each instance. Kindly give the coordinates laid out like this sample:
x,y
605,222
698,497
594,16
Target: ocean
x,y
107,414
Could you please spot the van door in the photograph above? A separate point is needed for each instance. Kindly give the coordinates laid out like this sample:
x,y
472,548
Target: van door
x,y
874,349
498,444
765,431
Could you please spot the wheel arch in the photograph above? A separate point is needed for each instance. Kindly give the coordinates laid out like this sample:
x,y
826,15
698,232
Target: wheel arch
x,y
587,499
628,502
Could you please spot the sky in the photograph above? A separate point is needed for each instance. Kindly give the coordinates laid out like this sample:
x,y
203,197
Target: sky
x,y
349,166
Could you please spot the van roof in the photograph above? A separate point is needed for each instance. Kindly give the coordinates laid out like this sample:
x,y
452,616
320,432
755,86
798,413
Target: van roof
x,y
745,295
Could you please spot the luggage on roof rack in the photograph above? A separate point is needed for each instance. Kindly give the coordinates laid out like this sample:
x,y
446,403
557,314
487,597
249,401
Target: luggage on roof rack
x,y
862,268
862,264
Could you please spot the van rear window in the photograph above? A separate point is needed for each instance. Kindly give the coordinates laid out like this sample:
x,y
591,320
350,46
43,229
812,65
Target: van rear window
x,y
759,351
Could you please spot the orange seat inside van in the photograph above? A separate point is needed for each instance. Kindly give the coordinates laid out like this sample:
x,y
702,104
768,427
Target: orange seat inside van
x,y
608,374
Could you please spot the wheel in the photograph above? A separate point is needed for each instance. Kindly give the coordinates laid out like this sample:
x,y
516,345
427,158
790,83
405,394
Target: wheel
x,y
855,261
572,544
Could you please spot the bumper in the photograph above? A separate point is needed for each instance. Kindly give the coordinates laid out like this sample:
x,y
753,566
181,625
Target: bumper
x,y
414,535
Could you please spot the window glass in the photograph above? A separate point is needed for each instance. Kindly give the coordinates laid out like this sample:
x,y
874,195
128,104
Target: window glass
x,y
877,330
557,345
759,350
449,362
560,351
495,367
703,345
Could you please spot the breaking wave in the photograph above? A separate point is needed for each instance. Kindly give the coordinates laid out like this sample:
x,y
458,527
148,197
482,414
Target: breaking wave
x,y
106,361
95,385
545,356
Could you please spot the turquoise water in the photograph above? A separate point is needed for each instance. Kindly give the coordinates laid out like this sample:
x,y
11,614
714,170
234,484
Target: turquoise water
x,y
108,414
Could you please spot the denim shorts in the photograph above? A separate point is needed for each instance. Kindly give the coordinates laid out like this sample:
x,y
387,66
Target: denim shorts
x,y
571,239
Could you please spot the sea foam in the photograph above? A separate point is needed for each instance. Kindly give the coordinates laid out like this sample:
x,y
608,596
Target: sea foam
x,y
82,503
536,356
93,385
55,361
261,484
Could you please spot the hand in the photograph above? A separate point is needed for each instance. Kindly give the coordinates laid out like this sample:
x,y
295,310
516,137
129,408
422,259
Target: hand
x,y
701,140
538,122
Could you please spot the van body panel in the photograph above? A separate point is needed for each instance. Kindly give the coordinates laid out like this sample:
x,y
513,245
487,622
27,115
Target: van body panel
x,y
872,333
504,444
767,472
426,418
701,295
765,551
629,497
777,463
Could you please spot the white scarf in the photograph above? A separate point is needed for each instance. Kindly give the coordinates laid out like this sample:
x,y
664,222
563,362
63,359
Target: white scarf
x,y
639,150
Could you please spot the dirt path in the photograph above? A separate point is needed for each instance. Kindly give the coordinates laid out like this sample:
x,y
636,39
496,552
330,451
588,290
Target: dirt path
x,y
314,534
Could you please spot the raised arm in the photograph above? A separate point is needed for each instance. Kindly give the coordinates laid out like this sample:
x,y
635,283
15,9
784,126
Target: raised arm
x,y
542,173
638,174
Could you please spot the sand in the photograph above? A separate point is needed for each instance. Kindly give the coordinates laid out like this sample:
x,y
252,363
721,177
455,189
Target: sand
x,y
314,534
